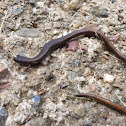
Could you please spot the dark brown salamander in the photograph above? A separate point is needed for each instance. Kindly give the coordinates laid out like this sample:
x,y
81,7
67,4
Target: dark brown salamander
x,y
105,102
54,44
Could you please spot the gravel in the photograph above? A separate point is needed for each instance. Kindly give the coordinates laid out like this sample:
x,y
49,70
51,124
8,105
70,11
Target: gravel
x,y
26,26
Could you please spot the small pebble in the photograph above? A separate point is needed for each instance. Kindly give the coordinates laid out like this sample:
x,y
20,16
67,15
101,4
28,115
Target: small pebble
x,y
62,108
3,116
100,12
41,92
26,32
71,75
108,78
23,111
40,4
65,84
45,11
118,28
73,46
87,71
74,4
45,61
55,66
99,89
49,76
17,11
76,25
87,122
80,78
10,26
38,121
32,1
79,72
34,10
77,62
80,110
57,25
36,99
83,48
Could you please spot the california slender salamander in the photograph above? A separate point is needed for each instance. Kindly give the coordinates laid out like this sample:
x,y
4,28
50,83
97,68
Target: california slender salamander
x,y
105,102
54,44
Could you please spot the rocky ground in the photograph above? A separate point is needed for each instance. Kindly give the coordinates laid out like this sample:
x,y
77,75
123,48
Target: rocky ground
x,y
43,95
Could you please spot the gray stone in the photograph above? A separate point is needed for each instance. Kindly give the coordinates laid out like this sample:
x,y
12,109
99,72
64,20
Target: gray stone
x,y
118,28
99,89
65,84
87,122
35,101
32,1
80,110
71,75
77,62
55,66
3,116
36,122
17,11
25,32
62,108
10,26
79,72
82,122
57,25
23,112
100,12
45,11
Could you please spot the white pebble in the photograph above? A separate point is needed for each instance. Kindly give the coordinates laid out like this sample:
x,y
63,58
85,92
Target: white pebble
x,y
47,58
40,4
45,61
108,78
34,10
80,78
65,32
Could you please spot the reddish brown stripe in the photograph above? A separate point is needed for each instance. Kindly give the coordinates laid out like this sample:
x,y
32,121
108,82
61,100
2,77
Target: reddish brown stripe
x,y
105,102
